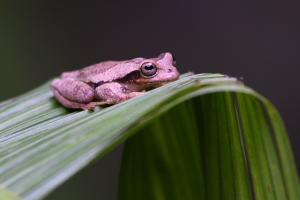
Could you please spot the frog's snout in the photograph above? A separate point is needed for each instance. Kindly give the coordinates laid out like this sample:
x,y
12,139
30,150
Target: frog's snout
x,y
171,70
173,73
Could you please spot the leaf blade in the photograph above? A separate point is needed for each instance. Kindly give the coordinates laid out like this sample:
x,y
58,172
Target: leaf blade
x,y
40,153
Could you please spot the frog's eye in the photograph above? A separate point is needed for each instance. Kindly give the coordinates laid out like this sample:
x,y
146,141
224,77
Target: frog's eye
x,y
174,60
148,69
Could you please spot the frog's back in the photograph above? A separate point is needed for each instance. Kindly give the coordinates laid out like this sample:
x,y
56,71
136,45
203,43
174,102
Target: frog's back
x,y
104,71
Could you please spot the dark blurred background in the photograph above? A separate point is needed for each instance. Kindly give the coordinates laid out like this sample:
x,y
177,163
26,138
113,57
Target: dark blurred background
x,y
257,40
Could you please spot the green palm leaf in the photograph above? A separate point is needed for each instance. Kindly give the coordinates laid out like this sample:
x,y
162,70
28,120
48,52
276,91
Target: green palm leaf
x,y
203,136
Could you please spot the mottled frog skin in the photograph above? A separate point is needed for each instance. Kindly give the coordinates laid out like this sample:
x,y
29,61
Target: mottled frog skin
x,y
112,82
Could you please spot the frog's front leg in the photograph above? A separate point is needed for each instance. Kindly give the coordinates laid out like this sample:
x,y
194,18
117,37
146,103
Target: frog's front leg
x,y
114,93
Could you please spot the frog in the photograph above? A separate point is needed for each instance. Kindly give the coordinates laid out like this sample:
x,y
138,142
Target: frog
x,y
112,82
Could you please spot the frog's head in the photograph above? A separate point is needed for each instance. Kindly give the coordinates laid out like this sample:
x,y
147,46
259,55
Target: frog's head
x,y
158,70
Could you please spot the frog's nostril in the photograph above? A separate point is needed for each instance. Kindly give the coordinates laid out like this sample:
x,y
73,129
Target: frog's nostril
x,y
170,70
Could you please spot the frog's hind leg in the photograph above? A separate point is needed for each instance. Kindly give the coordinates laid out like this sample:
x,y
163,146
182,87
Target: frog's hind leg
x,y
75,94
72,94
65,102
70,104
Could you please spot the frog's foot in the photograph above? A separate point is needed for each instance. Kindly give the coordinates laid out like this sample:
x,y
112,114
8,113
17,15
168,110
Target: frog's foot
x,y
93,105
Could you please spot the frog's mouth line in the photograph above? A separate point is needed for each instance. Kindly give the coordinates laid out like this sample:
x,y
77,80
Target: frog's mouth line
x,y
135,75
131,79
